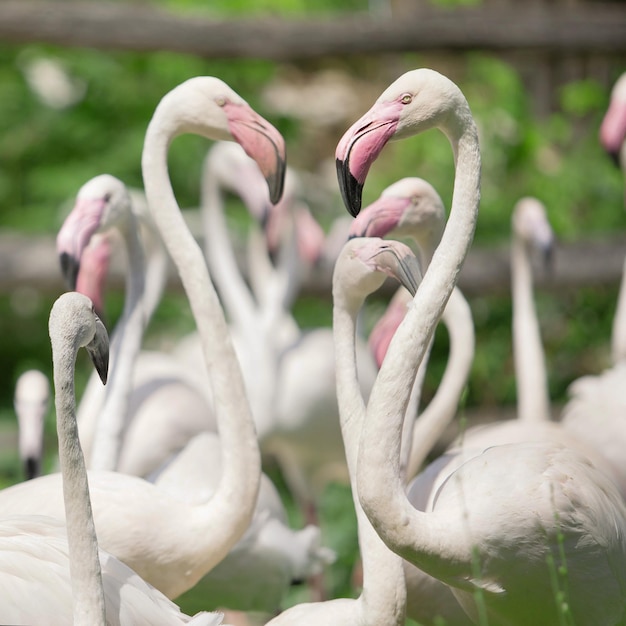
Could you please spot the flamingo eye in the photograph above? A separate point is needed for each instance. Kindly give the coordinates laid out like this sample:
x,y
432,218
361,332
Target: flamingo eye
x,y
220,101
107,197
407,98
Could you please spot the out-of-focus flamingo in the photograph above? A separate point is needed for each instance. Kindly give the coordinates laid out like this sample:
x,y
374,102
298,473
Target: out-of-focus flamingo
x,y
31,401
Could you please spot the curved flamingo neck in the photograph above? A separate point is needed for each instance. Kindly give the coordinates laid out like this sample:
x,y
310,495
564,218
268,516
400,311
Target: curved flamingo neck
x,y
229,512
379,477
533,401
125,347
457,317
384,590
234,291
239,302
85,572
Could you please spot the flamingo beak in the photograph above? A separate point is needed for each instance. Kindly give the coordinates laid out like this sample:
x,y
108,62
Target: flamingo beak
x,y
379,218
98,350
261,142
398,261
408,273
70,266
547,253
79,226
613,130
359,147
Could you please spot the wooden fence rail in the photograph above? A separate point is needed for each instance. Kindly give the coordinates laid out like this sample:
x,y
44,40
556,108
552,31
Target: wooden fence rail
x,y
118,26
29,261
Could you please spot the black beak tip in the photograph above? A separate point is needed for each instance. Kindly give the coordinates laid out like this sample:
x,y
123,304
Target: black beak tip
x,y
614,155
31,468
69,268
548,258
101,363
351,189
276,181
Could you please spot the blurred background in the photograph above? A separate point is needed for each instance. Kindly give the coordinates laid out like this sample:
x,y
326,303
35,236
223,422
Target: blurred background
x,y
80,81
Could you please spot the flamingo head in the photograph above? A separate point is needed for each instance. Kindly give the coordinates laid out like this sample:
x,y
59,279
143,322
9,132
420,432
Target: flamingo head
x,y
409,208
101,203
530,224
207,106
364,263
75,310
418,100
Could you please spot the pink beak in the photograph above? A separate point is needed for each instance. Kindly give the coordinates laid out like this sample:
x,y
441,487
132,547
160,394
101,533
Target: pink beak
x,y
613,128
379,218
74,236
359,148
94,266
261,142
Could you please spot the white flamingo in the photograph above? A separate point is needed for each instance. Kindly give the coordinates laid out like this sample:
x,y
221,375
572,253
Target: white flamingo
x,y
103,203
412,208
596,409
361,268
144,386
168,543
144,430
52,573
517,519
31,401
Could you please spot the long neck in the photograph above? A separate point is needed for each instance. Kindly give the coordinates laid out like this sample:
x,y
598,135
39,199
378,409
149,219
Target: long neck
x,y
457,317
274,287
229,512
156,270
85,573
234,292
416,535
384,589
243,311
618,336
533,402
126,345
412,411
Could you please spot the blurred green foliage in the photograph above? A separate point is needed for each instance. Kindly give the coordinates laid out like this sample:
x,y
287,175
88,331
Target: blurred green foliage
x,y
47,153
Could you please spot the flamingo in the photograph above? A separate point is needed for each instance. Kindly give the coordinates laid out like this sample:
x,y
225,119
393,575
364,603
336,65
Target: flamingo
x,y
596,408
52,573
170,544
397,213
613,140
360,269
94,263
517,519
412,208
139,431
101,204
31,402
